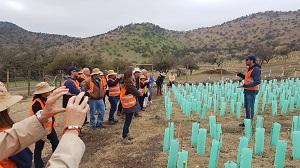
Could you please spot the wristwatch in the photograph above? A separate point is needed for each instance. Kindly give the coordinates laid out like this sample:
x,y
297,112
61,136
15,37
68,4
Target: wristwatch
x,y
73,127
39,117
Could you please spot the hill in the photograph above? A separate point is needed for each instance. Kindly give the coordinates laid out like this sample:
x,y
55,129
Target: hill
x,y
12,35
145,42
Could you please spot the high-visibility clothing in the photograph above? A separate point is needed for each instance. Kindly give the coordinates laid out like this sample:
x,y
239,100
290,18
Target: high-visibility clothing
x,y
6,163
114,90
103,82
128,100
249,79
76,83
50,121
143,90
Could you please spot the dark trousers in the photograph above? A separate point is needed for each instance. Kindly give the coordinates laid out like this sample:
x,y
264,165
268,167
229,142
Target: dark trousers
x,y
159,91
120,107
141,101
106,94
113,106
128,119
39,145
249,98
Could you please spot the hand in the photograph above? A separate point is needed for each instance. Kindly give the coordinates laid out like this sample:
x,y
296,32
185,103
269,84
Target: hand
x,y
76,112
50,110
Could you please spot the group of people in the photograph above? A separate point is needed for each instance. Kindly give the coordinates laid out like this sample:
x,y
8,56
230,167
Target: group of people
x,y
85,91
98,85
83,88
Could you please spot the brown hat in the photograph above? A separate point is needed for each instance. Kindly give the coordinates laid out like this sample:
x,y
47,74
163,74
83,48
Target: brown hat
x,y
111,72
6,99
96,71
43,87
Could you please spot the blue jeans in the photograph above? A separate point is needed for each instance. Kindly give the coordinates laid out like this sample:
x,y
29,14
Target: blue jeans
x,y
96,106
128,119
249,98
114,101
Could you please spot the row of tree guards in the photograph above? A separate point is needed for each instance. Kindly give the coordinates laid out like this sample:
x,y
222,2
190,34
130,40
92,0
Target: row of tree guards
x,y
221,97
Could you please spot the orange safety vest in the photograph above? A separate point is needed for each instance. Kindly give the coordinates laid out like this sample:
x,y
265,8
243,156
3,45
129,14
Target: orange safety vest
x,y
50,122
6,163
128,100
114,90
249,79
142,90
103,82
76,83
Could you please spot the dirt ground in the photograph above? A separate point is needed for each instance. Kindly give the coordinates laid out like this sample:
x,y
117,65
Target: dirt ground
x,y
104,147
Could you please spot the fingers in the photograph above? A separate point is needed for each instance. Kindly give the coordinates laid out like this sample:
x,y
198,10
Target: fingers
x,y
71,101
86,109
60,110
79,97
84,102
58,93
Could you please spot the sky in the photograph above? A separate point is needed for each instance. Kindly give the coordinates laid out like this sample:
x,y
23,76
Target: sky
x,y
84,18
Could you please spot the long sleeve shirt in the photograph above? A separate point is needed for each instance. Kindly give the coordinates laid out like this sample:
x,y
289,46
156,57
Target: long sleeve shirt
x,y
72,87
30,130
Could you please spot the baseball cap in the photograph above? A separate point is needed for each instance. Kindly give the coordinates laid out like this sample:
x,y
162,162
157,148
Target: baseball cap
x,y
73,68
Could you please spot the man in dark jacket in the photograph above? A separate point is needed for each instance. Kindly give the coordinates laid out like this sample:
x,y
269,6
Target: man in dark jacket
x,y
96,91
251,85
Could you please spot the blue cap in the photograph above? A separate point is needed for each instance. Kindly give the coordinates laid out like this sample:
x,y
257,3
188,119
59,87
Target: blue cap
x,y
73,68
251,57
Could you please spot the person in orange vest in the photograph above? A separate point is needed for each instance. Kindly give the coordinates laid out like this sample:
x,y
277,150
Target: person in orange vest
x,y
42,91
130,106
83,75
113,95
16,137
171,79
252,80
96,91
24,157
103,77
72,84
142,89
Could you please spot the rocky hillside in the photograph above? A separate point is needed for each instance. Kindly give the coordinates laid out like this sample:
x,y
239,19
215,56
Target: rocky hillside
x,y
136,43
12,36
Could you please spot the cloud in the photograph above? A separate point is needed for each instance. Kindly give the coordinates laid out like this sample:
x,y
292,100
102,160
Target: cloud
x,y
91,17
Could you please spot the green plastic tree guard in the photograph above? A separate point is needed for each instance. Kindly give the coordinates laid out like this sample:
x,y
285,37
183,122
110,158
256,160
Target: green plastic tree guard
x,y
212,126
219,134
274,108
173,154
259,141
166,145
296,145
275,134
223,109
243,144
183,159
259,122
246,158
214,155
248,128
280,154
292,104
195,128
230,164
201,142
